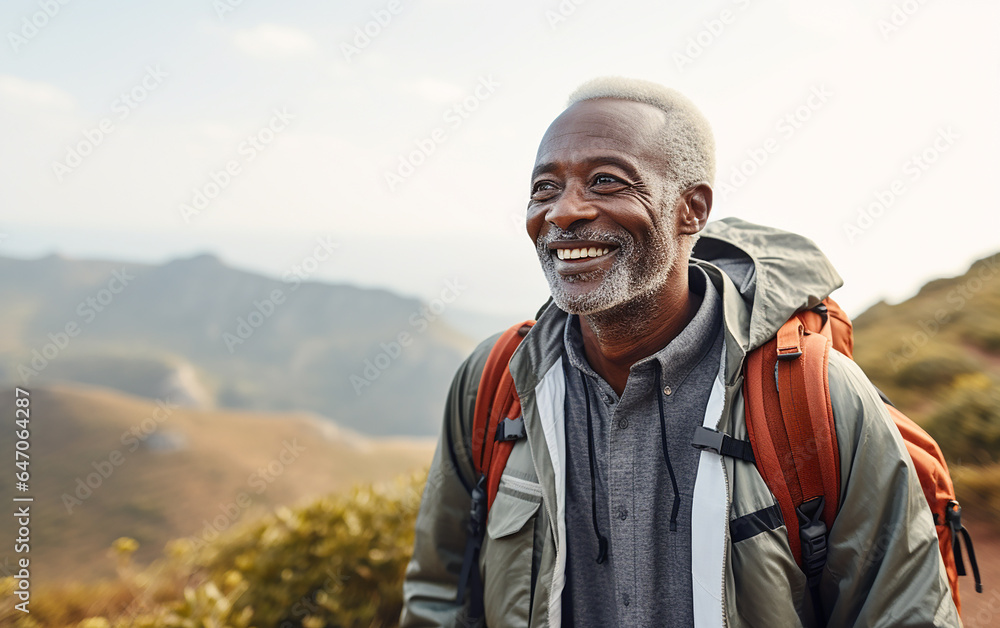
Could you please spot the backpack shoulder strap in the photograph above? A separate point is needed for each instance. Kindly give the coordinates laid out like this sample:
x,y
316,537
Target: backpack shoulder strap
x,y
496,425
790,424
497,421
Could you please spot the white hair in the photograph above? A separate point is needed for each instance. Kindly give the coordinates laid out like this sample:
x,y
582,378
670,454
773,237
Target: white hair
x,y
686,140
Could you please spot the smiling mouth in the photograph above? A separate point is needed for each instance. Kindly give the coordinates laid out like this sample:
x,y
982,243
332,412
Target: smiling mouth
x,y
580,252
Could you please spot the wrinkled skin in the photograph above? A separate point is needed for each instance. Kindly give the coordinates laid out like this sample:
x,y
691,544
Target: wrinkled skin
x,y
600,181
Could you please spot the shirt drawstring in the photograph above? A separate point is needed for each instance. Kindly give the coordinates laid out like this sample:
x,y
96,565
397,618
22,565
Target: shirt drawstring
x,y
602,541
666,454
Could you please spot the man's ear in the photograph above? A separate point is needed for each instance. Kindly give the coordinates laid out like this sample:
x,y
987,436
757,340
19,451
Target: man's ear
x,y
694,207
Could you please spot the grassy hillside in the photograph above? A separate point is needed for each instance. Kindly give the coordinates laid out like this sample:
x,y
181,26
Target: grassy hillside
x,y
173,471
337,561
240,340
937,356
914,350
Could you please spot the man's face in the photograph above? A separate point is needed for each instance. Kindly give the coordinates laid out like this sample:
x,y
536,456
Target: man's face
x,y
602,206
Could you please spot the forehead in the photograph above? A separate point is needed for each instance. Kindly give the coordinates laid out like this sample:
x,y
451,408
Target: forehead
x,y
614,127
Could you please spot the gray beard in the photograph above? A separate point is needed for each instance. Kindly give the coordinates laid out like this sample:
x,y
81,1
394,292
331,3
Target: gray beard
x,y
634,276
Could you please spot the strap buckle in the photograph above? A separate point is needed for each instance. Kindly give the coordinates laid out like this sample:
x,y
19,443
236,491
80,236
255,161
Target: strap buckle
x,y
790,339
953,516
812,533
707,439
510,429
474,538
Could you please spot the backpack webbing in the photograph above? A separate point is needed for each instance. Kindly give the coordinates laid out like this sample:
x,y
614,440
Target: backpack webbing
x,y
496,400
794,437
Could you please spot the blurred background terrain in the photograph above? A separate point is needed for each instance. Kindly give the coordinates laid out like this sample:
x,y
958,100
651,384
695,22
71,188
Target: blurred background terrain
x,y
244,246
202,478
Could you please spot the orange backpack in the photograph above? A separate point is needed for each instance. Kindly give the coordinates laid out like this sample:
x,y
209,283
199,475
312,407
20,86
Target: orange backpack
x,y
789,419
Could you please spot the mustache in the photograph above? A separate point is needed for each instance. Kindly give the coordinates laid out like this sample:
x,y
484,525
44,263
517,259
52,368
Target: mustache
x,y
565,235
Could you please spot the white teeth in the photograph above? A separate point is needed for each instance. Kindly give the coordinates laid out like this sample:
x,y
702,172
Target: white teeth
x,y
581,253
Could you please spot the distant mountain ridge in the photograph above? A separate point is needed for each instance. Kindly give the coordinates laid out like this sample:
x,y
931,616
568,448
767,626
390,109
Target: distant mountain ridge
x,y
203,333
105,464
200,333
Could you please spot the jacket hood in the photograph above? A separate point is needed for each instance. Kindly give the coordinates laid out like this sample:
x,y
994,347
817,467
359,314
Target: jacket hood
x,y
775,272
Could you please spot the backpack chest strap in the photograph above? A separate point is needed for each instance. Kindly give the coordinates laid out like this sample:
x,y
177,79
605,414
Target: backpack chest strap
x,y
707,439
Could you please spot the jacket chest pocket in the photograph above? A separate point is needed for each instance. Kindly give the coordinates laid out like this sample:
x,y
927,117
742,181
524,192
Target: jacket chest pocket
x,y
507,552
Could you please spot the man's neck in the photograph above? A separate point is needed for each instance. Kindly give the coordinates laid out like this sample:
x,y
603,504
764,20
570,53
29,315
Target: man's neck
x,y
616,339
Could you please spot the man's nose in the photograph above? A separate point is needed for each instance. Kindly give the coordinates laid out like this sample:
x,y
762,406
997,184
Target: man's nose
x,y
570,208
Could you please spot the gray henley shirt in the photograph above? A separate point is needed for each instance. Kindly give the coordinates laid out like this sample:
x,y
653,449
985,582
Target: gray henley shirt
x,y
646,578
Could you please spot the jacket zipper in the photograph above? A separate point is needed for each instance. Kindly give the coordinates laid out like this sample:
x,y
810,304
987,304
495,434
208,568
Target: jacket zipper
x,y
729,506
553,526
727,408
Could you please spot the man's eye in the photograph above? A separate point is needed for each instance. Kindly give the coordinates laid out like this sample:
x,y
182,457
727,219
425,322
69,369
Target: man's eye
x,y
606,179
542,188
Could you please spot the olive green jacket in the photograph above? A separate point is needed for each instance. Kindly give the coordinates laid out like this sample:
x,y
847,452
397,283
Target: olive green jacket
x,y
883,566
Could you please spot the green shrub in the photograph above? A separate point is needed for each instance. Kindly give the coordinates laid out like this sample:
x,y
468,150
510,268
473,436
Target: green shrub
x,y
338,561
978,490
967,426
934,371
987,339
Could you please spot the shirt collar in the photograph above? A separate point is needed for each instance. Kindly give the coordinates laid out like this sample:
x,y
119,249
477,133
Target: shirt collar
x,y
680,356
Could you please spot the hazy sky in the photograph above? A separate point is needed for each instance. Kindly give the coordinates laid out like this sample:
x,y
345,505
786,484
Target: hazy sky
x,y
113,115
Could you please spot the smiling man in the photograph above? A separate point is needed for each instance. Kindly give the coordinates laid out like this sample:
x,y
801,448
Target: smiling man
x,y
605,514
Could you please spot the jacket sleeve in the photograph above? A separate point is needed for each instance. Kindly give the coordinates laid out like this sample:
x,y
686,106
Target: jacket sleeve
x,y
884,567
431,582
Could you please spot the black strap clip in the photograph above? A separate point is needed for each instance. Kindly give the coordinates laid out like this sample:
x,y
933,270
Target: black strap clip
x,y
822,310
812,533
510,429
953,517
474,539
707,439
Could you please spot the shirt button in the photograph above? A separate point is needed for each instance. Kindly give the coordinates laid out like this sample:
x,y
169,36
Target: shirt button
x,y
625,599
667,390
622,424
623,514
607,399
